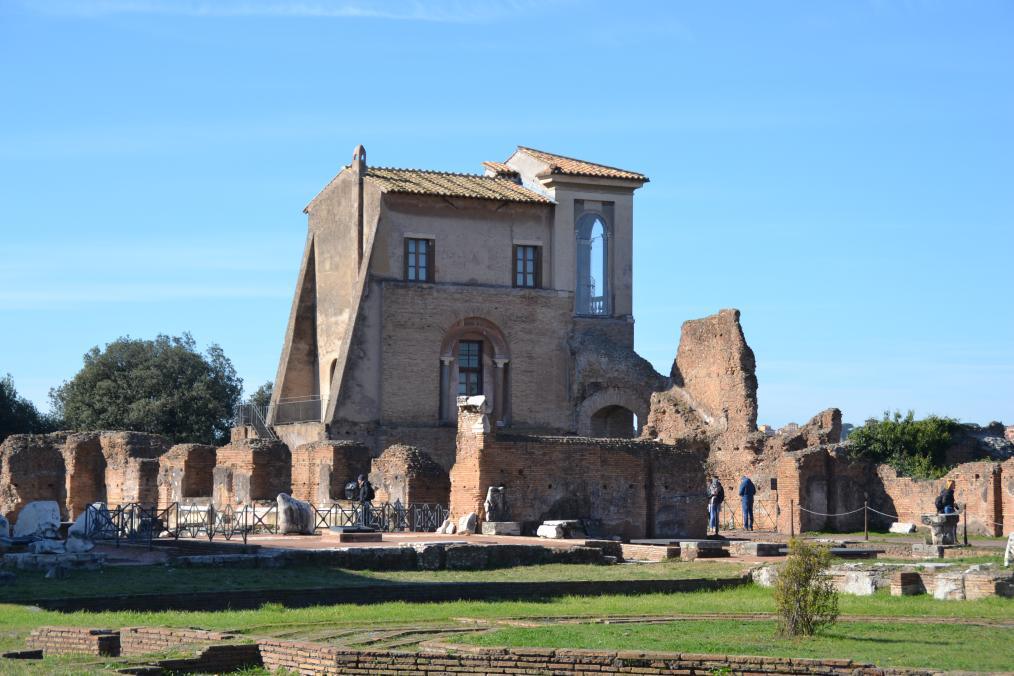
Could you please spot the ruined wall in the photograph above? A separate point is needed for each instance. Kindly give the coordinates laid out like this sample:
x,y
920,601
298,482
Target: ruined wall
x,y
85,465
186,474
251,470
321,469
716,368
32,469
128,477
76,469
632,488
825,480
1006,495
408,474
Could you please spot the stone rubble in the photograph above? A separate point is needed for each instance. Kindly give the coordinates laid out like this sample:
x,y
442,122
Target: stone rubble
x,y
40,519
295,517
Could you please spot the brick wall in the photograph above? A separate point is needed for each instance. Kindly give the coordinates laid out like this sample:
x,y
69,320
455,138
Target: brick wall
x,y
825,480
31,468
321,469
85,472
629,487
63,640
186,472
147,640
312,658
250,470
408,474
1006,492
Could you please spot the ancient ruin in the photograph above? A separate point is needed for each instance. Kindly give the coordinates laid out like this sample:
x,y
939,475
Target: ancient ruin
x,y
457,334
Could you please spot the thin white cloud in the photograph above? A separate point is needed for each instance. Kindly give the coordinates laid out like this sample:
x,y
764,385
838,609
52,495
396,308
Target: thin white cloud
x,y
128,292
437,11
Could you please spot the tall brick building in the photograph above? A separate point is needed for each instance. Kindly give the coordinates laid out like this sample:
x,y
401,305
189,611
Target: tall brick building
x,y
418,286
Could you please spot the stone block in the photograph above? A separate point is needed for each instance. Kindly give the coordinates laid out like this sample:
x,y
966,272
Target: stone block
x,y
551,532
294,516
467,557
702,549
928,551
903,527
47,547
501,528
468,523
765,576
40,518
748,548
950,587
430,556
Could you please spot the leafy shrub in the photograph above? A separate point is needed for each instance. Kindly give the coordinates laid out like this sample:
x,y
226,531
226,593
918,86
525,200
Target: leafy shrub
x,y
915,448
805,598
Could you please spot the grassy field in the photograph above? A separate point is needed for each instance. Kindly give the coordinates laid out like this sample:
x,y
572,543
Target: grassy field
x,y
887,644
32,586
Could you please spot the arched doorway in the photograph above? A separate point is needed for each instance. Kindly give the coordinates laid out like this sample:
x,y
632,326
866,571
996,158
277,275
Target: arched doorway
x,y
614,422
474,359
613,412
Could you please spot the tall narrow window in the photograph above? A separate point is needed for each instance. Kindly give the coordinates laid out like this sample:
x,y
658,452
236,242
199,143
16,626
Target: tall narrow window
x,y
528,266
469,367
592,266
419,259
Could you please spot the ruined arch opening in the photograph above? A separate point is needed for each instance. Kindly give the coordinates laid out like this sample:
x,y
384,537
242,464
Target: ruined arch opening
x,y
614,422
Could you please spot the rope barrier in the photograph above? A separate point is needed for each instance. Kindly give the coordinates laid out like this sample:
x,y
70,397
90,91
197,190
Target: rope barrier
x,y
890,516
810,511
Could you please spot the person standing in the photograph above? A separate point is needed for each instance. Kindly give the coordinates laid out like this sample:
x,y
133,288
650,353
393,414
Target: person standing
x,y
945,501
364,495
746,493
716,496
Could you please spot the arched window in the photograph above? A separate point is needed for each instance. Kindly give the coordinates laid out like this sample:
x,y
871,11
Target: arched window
x,y
592,266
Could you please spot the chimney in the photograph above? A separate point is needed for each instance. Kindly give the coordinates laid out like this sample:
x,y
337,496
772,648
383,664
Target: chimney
x,y
359,171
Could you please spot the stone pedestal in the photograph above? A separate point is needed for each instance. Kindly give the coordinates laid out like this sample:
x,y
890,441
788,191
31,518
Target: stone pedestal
x,y
501,528
943,528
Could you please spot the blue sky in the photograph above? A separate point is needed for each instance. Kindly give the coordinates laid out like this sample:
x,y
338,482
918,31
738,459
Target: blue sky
x,y
842,172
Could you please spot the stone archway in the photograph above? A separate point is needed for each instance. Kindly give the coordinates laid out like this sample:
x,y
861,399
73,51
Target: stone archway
x,y
611,412
496,356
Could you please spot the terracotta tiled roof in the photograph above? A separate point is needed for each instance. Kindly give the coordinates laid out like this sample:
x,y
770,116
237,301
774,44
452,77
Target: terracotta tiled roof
x,y
560,164
446,184
501,169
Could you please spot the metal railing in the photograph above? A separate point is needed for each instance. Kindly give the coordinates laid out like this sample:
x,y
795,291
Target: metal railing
x,y
135,523
285,411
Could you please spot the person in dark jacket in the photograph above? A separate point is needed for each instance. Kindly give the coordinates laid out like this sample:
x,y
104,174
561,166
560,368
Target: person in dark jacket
x,y
716,496
945,501
746,493
364,495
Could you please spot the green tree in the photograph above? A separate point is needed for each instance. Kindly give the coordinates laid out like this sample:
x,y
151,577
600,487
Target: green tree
x,y
916,448
262,395
18,415
162,386
804,595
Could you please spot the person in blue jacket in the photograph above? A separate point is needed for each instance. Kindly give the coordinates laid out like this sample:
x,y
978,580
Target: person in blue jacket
x,y
746,493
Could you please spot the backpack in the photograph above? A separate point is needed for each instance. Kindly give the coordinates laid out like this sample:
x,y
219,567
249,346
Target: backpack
x,y
939,503
368,490
719,494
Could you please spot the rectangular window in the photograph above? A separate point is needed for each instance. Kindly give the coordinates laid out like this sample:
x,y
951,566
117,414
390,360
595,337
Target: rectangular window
x,y
527,266
469,367
419,259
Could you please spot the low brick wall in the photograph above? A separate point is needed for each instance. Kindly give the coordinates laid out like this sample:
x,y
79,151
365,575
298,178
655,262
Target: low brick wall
x,y
311,658
653,553
216,659
147,640
62,640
